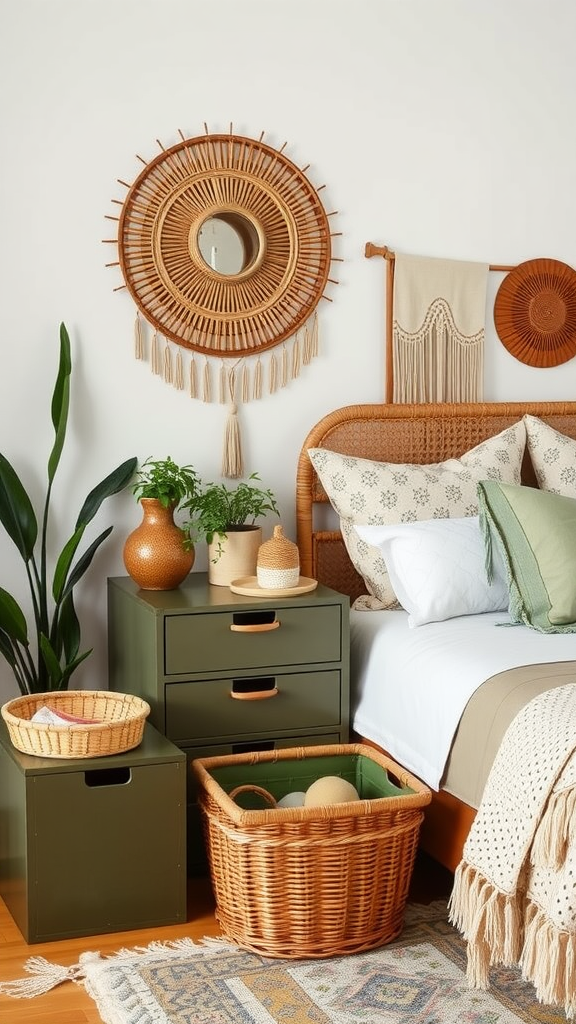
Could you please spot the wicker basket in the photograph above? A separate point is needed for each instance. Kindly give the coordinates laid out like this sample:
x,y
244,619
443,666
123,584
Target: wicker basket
x,y
310,882
118,723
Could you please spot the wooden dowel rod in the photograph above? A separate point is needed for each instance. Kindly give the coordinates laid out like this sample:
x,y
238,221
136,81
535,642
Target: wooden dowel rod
x,y
383,250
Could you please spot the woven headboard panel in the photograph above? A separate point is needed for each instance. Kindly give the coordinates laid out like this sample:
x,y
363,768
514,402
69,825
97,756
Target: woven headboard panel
x,y
398,433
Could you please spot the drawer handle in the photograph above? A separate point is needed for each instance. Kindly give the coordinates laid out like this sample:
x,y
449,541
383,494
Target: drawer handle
x,y
254,689
255,627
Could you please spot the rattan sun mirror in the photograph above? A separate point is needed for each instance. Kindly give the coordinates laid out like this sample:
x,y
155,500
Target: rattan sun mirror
x,y
193,193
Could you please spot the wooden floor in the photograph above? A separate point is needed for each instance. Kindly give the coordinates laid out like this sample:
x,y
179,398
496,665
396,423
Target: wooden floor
x,y
69,1003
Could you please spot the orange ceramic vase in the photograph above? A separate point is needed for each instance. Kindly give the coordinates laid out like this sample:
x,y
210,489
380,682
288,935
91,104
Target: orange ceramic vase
x,y
154,553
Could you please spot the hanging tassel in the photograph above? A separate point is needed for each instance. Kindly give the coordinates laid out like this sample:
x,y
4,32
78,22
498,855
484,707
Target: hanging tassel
x,y
179,374
167,364
284,366
296,358
222,384
307,350
155,354
315,347
138,338
232,455
206,384
258,379
245,382
273,373
193,379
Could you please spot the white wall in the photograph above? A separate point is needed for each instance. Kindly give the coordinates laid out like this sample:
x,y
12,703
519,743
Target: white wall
x,y
440,127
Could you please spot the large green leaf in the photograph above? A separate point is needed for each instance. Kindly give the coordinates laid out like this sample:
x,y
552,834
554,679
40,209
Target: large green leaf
x,y
83,563
111,484
60,402
16,512
12,618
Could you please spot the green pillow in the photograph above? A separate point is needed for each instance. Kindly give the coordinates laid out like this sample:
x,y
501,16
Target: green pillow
x,y
536,531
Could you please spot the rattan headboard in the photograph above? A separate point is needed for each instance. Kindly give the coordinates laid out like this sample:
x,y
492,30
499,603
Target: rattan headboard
x,y
398,433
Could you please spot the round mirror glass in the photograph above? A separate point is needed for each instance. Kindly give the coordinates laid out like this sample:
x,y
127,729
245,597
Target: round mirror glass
x,y
228,243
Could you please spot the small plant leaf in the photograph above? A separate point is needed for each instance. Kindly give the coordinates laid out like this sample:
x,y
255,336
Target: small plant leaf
x,y
60,402
12,618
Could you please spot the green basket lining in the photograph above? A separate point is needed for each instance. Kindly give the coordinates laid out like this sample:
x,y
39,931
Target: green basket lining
x,y
371,780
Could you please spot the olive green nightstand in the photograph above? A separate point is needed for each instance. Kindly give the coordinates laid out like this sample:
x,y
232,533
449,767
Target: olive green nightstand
x,y
224,673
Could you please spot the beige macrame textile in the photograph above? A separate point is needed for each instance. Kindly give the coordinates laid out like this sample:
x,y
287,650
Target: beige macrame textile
x,y
438,329
514,898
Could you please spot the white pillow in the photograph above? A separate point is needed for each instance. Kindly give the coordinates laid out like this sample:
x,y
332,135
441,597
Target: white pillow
x,y
553,456
437,568
364,492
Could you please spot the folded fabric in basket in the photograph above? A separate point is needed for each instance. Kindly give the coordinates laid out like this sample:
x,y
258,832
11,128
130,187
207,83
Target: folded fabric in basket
x,y
46,716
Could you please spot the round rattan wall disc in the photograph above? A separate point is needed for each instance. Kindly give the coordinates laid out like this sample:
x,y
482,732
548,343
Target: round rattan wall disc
x,y
281,227
535,312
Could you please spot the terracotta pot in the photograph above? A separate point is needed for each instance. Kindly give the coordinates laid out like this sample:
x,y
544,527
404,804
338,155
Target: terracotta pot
x,y
154,553
234,556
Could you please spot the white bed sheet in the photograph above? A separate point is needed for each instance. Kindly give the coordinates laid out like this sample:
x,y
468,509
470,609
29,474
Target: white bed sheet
x,y
411,685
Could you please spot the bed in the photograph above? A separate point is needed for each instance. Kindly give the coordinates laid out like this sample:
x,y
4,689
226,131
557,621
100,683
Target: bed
x,y
417,435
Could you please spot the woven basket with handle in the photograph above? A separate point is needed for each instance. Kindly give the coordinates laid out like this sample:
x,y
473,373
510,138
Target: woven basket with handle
x,y
309,881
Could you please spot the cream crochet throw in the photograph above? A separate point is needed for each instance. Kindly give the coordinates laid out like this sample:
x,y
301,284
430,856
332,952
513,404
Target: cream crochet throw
x,y
514,894
438,329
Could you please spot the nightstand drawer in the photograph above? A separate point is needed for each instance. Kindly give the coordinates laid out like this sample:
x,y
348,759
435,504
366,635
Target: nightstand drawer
x,y
234,640
293,702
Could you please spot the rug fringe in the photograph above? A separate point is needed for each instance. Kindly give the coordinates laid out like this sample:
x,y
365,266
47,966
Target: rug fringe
x,y
49,975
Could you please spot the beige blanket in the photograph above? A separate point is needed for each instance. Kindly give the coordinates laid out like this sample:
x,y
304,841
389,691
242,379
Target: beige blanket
x,y
514,898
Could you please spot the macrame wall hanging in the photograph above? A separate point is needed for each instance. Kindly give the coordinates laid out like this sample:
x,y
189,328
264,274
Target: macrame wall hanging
x,y
225,248
434,327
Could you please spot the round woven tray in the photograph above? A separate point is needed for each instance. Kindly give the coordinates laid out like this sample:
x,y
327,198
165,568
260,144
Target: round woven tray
x,y
116,723
535,312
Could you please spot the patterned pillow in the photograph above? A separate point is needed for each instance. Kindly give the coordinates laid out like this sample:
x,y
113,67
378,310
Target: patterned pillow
x,y
553,456
364,492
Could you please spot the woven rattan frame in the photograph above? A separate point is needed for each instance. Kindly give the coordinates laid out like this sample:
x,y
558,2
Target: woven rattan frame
x,y
398,433
248,183
411,434
118,723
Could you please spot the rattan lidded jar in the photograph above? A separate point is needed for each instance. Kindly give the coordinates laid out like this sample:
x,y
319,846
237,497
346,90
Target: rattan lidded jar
x,y
278,562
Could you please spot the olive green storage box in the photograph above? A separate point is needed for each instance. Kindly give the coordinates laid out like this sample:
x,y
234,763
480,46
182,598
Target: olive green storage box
x,y
93,845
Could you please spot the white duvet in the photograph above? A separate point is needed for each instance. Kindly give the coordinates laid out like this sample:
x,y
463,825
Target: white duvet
x,y
411,685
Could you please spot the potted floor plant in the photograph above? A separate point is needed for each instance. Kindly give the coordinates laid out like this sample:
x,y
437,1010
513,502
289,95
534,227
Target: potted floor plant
x,y
226,518
42,646
159,553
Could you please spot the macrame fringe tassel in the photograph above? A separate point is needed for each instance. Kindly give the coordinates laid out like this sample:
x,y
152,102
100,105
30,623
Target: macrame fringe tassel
x,y
179,372
258,379
232,466
138,338
193,379
296,358
245,382
284,366
206,383
273,374
168,377
155,354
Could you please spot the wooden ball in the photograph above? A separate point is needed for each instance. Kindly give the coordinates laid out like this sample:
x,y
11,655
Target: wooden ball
x,y
330,789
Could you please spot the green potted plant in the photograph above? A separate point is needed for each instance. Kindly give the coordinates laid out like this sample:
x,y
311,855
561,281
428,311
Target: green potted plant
x,y
159,553
43,657
226,518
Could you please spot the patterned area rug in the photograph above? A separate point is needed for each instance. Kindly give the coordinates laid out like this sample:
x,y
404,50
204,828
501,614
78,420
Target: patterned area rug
x,y
418,979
